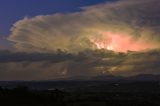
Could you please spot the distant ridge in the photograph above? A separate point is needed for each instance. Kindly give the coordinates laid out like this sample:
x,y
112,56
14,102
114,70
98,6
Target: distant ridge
x,y
140,77
144,77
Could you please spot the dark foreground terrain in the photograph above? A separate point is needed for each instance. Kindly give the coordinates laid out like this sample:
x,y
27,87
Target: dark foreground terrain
x,y
80,93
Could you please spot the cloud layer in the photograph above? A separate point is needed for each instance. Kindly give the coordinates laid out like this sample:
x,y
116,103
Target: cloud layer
x,y
74,44
126,22
40,66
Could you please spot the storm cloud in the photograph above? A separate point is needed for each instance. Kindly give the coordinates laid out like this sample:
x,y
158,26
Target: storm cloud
x,y
105,39
88,64
136,22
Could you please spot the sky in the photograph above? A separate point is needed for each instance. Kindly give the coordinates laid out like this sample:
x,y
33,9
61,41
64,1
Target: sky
x,y
78,38
12,11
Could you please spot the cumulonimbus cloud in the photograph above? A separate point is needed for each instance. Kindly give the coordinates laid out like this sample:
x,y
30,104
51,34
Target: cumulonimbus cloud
x,y
119,26
135,24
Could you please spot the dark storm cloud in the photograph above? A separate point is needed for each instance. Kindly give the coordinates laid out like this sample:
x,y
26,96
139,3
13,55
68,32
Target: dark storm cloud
x,y
7,56
35,66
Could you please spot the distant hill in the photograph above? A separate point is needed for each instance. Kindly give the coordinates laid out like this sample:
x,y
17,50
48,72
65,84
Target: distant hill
x,y
144,77
106,78
140,77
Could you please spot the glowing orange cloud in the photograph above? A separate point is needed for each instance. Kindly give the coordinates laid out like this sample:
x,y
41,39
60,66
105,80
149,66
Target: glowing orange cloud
x,y
119,42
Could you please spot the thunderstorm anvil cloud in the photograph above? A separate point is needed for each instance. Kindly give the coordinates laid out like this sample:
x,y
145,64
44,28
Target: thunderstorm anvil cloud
x,y
133,23
87,43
